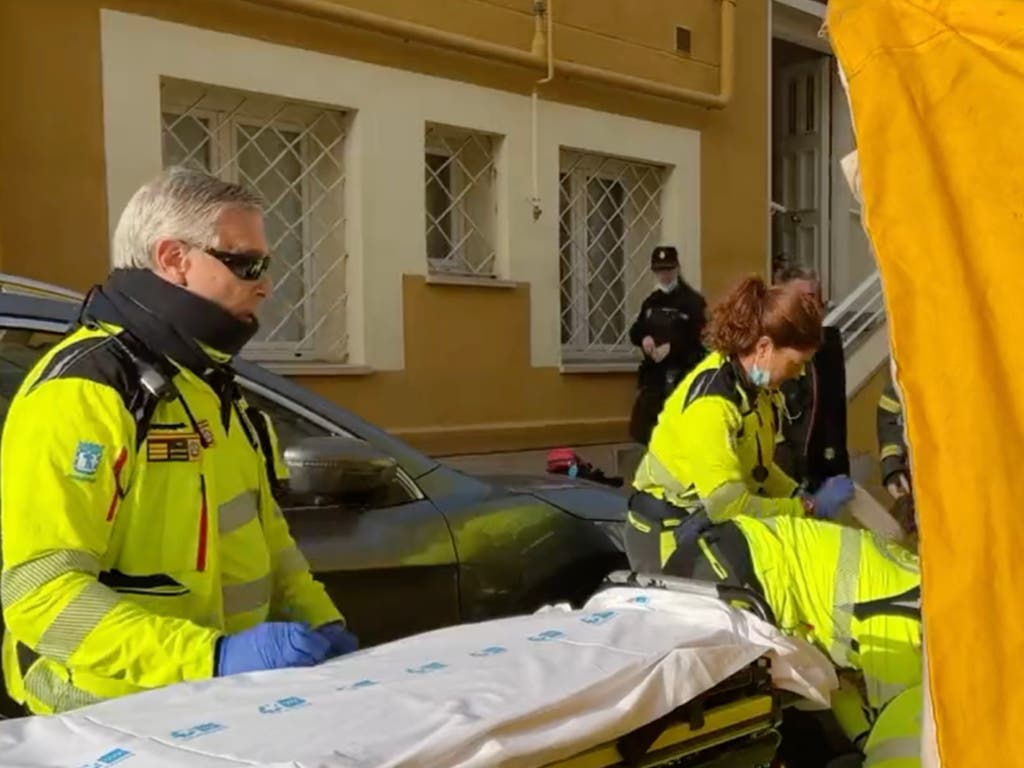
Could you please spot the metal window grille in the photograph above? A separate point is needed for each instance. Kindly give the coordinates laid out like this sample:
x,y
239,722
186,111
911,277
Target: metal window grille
x,y
292,153
609,221
459,173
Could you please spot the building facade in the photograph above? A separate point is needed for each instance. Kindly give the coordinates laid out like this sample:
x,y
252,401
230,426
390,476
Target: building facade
x,y
456,260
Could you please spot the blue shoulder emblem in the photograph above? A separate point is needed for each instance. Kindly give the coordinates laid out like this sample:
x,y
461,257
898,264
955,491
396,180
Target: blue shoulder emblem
x,y
87,460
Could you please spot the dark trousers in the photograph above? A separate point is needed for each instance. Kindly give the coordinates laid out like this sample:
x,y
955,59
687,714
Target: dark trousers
x,y
644,416
656,529
662,538
721,554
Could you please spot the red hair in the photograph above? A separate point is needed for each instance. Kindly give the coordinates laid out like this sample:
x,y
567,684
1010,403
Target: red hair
x,y
786,313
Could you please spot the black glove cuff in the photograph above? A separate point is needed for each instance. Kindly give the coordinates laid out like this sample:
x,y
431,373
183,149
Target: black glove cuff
x,y
216,656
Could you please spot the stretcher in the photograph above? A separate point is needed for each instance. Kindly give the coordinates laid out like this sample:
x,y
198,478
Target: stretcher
x,y
651,671
732,725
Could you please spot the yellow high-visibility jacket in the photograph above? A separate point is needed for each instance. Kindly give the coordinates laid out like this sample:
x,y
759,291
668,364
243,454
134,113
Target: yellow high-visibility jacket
x,y
842,588
713,447
123,563
895,741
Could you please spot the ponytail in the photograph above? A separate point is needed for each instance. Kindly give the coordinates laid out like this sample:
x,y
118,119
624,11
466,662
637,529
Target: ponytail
x,y
787,314
735,324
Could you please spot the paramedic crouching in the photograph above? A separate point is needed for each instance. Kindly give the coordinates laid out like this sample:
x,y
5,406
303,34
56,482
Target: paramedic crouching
x,y
844,589
142,545
711,453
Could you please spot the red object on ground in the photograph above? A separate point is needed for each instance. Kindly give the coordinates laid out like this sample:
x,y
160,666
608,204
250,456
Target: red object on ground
x,y
560,459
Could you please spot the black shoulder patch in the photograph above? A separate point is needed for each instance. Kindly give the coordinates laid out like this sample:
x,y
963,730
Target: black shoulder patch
x,y
715,382
100,359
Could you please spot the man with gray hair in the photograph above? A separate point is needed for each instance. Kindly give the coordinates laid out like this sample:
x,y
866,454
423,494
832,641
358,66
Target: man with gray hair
x,y
142,545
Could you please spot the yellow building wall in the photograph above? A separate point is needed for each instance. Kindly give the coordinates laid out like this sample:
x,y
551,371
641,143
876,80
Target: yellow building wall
x,y
450,397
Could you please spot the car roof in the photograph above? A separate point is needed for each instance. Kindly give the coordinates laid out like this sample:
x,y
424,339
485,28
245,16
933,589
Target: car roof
x,y
29,303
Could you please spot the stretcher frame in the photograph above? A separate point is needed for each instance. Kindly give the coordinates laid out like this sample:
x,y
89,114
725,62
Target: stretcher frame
x,y
733,725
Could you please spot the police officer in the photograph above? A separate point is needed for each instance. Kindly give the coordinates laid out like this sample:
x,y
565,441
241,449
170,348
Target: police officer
x,y
142,545
668,331
847,591
711,454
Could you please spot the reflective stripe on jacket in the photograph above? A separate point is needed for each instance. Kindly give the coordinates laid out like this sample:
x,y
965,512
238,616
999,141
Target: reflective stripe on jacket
x,y
895,741
841,588
889,424
123,564
713,447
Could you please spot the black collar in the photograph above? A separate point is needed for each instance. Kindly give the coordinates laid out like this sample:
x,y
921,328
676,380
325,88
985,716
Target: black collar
x,y
169,321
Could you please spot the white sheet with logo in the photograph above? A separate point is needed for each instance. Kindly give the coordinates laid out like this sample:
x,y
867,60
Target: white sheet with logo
x,y
521,691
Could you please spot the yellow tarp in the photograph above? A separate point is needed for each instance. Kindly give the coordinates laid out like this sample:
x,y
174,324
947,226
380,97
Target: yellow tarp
x,y
937,95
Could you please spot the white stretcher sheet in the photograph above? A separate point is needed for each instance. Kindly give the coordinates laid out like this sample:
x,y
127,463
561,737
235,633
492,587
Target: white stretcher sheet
x,y
520,691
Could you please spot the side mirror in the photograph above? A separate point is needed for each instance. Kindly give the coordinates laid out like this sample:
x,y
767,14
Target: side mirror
x,y
336,467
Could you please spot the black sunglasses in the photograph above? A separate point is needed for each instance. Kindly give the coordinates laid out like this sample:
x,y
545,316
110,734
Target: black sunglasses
x,y
248,265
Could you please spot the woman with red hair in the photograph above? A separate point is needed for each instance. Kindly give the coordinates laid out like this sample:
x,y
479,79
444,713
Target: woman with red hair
x,y
710,458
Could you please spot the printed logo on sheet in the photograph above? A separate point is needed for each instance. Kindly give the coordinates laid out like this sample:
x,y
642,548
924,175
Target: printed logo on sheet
x,y
113,757
187,734
549,634
359,684
492,650
283,705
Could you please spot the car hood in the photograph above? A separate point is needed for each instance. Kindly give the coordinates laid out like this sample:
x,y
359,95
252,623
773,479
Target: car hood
x,y
580,498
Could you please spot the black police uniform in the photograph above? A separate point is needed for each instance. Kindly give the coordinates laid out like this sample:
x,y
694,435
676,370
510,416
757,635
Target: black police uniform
x,y
676,317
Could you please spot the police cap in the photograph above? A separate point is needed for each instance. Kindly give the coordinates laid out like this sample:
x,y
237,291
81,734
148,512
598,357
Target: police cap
x,y
665,257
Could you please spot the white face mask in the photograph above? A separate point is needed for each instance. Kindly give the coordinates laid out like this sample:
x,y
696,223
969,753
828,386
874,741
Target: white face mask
x,y
667,286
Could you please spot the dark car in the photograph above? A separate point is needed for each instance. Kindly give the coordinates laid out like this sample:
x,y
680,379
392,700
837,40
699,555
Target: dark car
x,y
433,546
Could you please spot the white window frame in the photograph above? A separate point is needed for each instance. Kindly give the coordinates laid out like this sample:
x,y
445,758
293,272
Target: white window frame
x,y
578,348
456,262
283,350
462,185
224,142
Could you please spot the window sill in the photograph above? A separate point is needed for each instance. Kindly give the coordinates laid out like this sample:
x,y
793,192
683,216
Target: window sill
x,y
611,366
313,368
473,281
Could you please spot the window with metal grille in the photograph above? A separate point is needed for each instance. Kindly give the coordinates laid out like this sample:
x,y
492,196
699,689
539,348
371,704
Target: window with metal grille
x,y
609,216
291,152
461,211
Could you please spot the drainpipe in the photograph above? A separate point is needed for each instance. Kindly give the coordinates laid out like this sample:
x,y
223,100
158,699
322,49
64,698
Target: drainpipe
x,y
543,41
409,31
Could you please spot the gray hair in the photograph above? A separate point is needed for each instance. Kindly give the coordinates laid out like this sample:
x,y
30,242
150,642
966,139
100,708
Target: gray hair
x,y
180,203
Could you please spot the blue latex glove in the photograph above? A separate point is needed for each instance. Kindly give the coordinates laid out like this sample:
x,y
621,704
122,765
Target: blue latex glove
x,y
342,641
830,498
271,645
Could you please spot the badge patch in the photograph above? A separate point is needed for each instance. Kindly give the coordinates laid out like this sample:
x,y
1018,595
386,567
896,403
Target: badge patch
x,y
206,432
87,459
177,447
